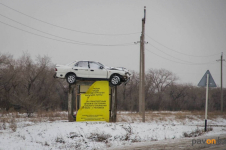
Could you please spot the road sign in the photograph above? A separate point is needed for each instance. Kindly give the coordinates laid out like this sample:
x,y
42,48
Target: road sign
x,y
203,81
207,81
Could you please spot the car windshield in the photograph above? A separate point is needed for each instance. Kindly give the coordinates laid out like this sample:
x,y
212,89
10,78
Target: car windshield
x,y
71,63
100,63
103,65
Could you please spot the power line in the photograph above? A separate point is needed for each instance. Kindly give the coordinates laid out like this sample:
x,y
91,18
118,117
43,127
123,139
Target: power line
x,y
163,57
180,52
78,43
65,27
175,57
170,55
39,30
46,32
181,62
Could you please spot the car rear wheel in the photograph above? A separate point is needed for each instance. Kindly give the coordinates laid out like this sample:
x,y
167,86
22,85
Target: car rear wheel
x,y
71,78
115,80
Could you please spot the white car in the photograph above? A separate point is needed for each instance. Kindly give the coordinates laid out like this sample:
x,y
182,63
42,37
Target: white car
x,y
91,70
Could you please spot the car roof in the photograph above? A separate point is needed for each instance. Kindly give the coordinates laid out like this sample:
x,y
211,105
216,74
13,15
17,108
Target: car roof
x,y
88,60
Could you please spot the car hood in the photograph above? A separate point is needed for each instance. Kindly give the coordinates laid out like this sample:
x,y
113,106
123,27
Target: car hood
x,y
116,68
119,68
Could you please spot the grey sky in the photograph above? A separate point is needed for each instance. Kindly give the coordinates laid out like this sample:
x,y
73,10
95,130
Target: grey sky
x,y
177,32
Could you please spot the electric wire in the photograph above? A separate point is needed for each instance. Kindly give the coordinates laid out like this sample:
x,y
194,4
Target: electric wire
x,y
208,63
78,43
84,43
180,52
65,27
48,33
39,30
169,54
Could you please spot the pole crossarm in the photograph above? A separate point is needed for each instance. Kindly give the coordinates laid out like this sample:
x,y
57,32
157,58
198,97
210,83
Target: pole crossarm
x,y
220,60
140,42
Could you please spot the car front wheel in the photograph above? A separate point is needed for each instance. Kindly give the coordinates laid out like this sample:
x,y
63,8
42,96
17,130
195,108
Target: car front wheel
x,y
71,78
115,80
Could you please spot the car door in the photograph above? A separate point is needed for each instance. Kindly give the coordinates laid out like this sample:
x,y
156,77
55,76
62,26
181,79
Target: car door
x,y
81,69
96,71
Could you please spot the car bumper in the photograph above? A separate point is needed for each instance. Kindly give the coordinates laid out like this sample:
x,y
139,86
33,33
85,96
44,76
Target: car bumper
x,y
127,80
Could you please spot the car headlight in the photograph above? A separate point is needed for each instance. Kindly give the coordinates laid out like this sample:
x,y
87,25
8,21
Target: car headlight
x,y
127,73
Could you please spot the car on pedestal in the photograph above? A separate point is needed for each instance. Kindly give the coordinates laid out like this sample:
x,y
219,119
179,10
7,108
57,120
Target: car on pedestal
x,y
91,70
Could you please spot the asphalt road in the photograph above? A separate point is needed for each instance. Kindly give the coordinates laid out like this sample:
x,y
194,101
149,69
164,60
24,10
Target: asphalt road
x,y
179,144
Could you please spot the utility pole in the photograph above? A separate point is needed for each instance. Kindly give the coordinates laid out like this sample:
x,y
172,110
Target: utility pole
x,y
140,84
142,69
142,87
221,80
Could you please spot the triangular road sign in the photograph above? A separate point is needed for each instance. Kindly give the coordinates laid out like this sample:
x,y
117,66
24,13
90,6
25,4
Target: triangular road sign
x,y
203,81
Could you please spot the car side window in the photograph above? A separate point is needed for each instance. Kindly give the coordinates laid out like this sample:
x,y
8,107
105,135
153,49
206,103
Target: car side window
x,y
82,64
94,65
76,65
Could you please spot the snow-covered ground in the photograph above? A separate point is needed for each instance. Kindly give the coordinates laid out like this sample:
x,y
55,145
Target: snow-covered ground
x,y
61,134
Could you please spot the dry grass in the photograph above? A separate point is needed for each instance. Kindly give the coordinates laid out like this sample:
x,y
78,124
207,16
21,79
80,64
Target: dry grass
x,y
149,116
168,115
99,137
13,125
197,132
10,119
52,116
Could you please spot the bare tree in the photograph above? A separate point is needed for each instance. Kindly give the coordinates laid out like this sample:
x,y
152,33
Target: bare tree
x,y
8,74
35,85
161,78
156,83
128,95
30,85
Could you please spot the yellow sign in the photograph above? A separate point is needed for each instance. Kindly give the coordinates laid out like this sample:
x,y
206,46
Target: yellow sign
x,y
95,103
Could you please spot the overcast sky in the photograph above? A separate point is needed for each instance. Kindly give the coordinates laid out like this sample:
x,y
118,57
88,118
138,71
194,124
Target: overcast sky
x,y
185,37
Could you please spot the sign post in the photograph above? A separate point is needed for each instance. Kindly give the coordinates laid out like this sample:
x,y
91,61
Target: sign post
x,y
206,109
207,81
